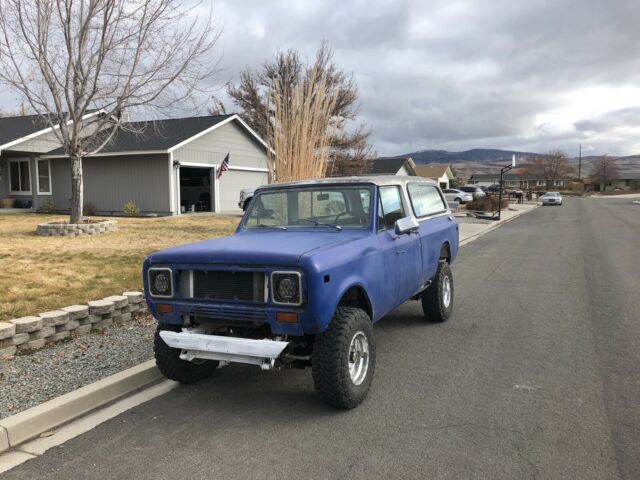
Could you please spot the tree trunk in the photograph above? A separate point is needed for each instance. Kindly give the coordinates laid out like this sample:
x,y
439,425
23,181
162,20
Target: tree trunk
x,y
76,189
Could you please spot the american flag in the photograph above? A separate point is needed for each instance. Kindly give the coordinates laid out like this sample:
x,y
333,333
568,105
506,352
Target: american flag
x,y
224,166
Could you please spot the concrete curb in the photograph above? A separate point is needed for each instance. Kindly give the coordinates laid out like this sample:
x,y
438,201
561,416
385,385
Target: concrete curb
x,y
493,226
34,421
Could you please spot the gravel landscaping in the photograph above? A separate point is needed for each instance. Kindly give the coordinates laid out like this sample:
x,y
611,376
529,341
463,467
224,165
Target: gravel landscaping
x,y
30,379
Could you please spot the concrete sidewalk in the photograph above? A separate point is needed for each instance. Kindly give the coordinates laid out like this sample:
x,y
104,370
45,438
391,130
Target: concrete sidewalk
x,y
472,228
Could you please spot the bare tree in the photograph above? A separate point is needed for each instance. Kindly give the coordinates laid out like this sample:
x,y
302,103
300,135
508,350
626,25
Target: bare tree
x,y
349,149
603,170
550,167
67,58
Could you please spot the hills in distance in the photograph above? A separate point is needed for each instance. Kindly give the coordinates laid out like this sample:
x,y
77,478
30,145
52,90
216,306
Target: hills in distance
x,y
488,160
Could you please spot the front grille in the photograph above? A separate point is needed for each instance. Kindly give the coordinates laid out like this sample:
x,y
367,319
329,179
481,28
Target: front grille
x,y
228,285
219,312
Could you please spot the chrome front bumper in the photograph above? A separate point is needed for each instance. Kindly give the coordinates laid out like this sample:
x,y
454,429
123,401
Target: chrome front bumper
x,y
227,349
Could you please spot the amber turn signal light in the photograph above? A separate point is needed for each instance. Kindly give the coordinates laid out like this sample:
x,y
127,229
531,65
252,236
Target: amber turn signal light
x,y
164,308
287,317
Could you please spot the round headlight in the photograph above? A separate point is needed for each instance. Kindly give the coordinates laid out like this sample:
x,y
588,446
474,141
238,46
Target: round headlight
x,y
160,282
287,288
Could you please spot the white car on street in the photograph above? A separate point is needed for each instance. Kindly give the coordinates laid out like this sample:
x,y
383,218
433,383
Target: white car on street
x,y
455,195
551,198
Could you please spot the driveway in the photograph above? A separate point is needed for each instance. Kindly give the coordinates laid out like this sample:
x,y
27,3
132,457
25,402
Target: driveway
x,y
536,375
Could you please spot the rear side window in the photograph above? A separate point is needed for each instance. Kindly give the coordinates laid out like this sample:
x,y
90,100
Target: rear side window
x,y
425,199
390,207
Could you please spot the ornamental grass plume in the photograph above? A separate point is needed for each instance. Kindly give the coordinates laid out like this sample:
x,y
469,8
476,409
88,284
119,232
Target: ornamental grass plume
x,y
302,128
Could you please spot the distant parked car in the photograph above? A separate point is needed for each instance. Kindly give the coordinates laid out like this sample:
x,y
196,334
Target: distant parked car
x,y
551,198
455,195
246,194
493,189
474,190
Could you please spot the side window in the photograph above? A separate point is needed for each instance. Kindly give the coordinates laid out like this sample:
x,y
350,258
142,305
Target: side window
x,y
390,207
425,200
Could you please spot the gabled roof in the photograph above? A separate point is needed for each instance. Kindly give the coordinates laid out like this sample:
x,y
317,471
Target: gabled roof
x,y
628,176
433,171
495,176
15,130
163,136
391,165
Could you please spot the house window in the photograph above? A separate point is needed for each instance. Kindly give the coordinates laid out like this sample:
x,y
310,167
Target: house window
x,y
20,177
558,183
43,172
541,183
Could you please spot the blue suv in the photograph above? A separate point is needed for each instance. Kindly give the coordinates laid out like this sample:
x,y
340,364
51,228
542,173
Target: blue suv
x,y
312,266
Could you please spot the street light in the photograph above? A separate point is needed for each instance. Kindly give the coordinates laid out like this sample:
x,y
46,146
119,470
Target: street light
x,y
503,170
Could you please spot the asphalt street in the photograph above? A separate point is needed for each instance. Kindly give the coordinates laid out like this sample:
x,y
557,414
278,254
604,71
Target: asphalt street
x,y
536,375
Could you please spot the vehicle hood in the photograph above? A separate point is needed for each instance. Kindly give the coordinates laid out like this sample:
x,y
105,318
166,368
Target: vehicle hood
x,y
258,247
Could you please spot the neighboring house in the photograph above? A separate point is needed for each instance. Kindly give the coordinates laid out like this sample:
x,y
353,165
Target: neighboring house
x,y
625,181
166,167
438,173
517,180
392,166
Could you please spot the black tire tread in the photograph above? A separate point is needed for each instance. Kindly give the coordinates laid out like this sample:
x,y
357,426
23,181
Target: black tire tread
x,y
432,304
330,374
171,366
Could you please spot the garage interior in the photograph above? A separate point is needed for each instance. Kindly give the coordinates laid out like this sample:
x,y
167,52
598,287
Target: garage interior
x,y
196,189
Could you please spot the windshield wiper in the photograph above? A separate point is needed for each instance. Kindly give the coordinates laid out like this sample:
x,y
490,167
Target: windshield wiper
x,y
320,224
262,225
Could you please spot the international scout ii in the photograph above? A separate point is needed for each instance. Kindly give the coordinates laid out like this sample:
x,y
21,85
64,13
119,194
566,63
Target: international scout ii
x,y
312,266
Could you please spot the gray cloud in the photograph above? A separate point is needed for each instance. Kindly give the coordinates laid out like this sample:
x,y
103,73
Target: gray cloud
x,y
454,74
442,74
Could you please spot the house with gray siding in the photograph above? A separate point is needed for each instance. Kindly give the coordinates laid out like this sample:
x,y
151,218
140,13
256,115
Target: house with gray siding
x,y
166,167
24,175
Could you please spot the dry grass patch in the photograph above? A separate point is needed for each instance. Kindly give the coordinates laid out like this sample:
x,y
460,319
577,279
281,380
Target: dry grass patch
x,y
43,273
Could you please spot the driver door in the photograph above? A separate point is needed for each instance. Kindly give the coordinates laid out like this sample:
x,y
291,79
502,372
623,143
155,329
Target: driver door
x,y
402,253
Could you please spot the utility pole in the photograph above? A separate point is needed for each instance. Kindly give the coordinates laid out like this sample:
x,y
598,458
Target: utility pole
x,y
579,163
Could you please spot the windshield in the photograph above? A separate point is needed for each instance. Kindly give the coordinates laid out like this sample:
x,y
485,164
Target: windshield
x,y
321,206
552,194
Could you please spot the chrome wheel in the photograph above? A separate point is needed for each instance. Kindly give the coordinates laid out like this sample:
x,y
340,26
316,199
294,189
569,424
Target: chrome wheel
x,y
446,292
358,358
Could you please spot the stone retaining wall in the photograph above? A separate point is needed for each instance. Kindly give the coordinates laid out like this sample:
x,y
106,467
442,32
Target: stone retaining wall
x,y
30,333
59,229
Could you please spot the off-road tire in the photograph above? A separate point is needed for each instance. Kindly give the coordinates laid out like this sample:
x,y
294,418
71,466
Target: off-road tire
x,y
330,360
171,366
433,304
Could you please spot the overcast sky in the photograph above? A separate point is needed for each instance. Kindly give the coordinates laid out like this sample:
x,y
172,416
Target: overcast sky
x,y
519,74
526,75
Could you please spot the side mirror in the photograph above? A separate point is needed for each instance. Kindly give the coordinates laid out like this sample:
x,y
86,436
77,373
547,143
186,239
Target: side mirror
x,y
406,225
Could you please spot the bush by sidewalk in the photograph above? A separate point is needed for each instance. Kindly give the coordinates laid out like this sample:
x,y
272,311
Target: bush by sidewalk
x,y
487,204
